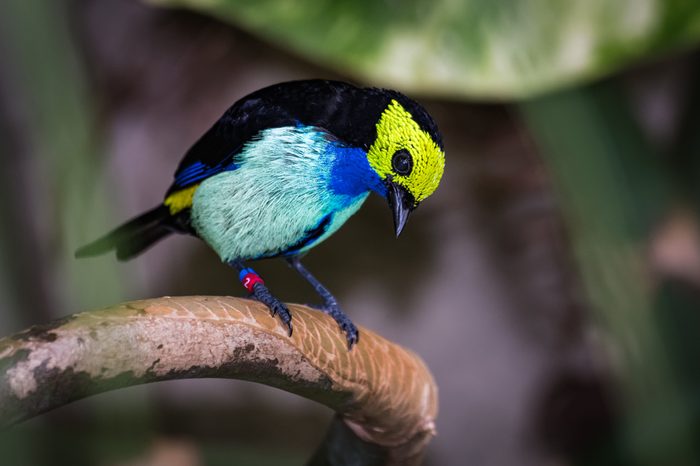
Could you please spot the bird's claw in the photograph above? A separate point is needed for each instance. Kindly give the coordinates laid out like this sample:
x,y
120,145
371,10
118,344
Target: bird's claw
x,y
330,305
284,315
351,333
277,307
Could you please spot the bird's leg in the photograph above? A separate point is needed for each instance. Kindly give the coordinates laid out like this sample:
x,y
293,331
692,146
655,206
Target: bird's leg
x,y
330,305
255,285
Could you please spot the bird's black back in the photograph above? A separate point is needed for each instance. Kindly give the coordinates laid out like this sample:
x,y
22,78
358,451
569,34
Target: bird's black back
x,y
348,112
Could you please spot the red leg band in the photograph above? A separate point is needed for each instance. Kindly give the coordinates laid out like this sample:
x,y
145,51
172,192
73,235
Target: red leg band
x,y
250,279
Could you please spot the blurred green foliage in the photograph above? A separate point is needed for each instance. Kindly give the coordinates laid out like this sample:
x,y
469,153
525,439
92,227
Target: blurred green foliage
x,y
614,190
480,49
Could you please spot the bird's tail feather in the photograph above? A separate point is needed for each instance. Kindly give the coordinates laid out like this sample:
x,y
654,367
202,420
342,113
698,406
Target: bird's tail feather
x,y
133,237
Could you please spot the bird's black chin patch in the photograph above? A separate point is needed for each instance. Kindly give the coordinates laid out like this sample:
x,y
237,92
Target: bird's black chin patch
x,y
401,203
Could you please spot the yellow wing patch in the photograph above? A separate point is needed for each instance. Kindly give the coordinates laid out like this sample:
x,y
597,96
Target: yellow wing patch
x,y
180,200
398,130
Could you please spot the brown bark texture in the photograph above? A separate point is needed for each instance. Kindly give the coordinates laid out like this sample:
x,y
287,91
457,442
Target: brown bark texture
x,y
384,396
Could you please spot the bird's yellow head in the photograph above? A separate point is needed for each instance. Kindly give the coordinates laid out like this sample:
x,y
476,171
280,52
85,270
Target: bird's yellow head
x,y
408,158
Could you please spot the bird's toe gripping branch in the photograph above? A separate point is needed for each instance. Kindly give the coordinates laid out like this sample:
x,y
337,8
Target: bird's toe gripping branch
x,y
257,289
330,304
344,322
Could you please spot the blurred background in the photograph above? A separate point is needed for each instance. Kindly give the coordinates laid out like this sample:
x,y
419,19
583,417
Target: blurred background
x,y
552,283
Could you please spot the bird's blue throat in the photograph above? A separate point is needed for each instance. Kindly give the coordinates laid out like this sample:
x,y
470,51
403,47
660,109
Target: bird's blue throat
x,y
350,174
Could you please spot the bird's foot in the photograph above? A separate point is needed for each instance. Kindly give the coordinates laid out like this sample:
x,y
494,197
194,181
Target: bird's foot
x,y
330,305
258,291
277,307
344,322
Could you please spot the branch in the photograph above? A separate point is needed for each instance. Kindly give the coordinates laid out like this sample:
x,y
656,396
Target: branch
x,y
384,395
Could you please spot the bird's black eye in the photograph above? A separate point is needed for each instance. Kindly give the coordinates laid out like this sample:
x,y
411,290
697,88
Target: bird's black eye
x,y
402,162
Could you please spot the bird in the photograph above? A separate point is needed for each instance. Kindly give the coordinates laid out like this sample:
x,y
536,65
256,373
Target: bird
x,y
281,170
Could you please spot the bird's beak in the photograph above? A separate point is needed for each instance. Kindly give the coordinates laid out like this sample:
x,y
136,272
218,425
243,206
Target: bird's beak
x,y
401,203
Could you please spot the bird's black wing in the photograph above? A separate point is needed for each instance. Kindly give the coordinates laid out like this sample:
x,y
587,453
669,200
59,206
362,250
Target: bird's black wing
x,y
215,151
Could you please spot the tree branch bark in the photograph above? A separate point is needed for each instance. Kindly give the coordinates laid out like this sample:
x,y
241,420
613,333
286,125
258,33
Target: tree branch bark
x,y
384,395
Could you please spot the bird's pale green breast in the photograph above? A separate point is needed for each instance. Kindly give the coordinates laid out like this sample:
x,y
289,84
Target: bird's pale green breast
x,y
279,196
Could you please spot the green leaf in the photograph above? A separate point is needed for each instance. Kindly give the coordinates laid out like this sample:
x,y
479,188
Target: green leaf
x,y
467,48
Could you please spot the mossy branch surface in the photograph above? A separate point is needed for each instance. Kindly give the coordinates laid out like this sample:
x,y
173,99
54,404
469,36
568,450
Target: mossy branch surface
x,y
384,395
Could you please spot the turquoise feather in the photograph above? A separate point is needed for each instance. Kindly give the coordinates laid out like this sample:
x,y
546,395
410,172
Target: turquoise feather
x,y
288,182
